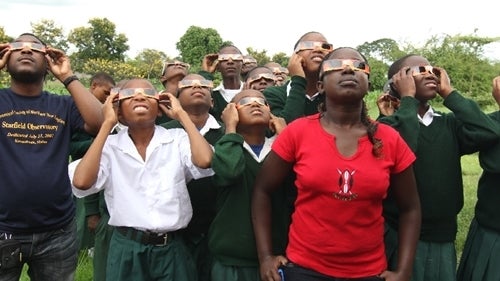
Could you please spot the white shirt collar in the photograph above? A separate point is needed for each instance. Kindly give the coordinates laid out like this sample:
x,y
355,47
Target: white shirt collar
x,y
265,149
428,116
289,88
210,124
228,94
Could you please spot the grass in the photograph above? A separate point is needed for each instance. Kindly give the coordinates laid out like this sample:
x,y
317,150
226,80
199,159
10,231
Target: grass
x,y
470,173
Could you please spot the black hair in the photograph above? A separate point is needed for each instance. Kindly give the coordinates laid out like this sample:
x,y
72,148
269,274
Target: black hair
x,y
100,77
304,35
247,75
371,125
393,69
230,45
33,35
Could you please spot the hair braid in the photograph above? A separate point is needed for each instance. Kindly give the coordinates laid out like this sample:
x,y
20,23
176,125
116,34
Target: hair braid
x,y
371,127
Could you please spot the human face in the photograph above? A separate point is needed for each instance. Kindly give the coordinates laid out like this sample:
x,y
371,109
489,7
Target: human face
x,y
348,84
138,103
427,83
101,90
280,72
195,93
230,62
312,57
27,62
252,108
248,63
260,78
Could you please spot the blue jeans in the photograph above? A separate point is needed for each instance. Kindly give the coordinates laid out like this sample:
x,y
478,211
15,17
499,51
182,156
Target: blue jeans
x,y
50,256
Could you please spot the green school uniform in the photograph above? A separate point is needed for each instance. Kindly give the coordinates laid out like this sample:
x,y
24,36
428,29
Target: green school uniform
x,y
202,194
293,103
231,237
481,255
438,173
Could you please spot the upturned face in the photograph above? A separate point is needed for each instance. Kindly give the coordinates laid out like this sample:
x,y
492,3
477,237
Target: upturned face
x,y
252,108
138,101
27,62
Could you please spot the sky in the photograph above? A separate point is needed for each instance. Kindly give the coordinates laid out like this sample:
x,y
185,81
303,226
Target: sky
x,y
271,25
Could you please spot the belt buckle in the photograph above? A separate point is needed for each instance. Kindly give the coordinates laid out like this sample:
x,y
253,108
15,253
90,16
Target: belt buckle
x,y
165,240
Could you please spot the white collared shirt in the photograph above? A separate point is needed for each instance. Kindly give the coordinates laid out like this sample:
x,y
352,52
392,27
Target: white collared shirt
x,y
228,94
428,116
210,124
266,148
151,194
289,88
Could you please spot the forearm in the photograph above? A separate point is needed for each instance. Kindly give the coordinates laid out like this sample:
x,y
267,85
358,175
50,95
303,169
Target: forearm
x,y
261,219
408,236
87,170
89,106
201,150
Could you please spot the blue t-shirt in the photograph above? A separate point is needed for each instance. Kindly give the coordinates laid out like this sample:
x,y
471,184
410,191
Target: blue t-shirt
x,y
35,132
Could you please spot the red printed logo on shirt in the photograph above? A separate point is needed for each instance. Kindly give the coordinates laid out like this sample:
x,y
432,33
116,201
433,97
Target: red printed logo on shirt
x,y
346,180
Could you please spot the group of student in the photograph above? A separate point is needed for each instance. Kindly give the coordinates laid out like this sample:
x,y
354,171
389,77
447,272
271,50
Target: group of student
x,y
257,178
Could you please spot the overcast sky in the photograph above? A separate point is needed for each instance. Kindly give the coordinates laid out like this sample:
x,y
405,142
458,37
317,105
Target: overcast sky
x,y
272,25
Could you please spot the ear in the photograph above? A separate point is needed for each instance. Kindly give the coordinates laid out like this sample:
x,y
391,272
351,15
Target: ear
x,y
320,87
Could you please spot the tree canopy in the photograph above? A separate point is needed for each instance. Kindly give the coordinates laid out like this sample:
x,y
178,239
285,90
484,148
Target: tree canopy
x,y
98,47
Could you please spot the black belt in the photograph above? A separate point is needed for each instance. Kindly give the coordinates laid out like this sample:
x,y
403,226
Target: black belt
x,y
146,237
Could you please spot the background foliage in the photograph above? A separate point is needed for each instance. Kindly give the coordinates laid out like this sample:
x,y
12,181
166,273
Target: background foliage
x,y
98,47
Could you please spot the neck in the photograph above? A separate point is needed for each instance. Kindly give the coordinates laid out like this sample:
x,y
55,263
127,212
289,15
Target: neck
x,y
232,83
253,135
27,89
343,116
199,118
141,136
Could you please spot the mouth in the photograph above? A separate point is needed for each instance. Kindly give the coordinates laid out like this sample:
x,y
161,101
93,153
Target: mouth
x,y
198,94
431,85
26,59
256,111
348,82
140,108
317,58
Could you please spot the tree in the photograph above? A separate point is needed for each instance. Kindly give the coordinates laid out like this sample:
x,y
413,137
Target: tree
x,y
261,56
51,34
4,77
281,58
150,63
196,43
462,56
118,70
4,37
99,41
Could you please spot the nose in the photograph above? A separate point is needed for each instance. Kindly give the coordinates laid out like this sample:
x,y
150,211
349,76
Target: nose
x,y
348,68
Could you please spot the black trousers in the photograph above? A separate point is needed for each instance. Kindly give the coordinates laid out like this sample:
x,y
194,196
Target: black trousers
x,y
293,272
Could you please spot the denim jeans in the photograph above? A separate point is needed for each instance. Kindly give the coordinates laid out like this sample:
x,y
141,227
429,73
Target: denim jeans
x,y
50,256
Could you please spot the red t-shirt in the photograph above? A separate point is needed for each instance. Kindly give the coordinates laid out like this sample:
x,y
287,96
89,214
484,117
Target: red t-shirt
x,y
337,228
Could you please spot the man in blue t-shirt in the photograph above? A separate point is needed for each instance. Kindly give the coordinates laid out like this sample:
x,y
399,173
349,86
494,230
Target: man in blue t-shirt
x,y
36,205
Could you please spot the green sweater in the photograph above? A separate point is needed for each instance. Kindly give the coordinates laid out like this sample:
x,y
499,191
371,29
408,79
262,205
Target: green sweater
x,y
438,171
294,105
202,192
488,191
231,236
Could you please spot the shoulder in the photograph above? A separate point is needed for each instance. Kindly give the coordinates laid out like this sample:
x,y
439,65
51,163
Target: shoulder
x,y
274,90
386,130
305,121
